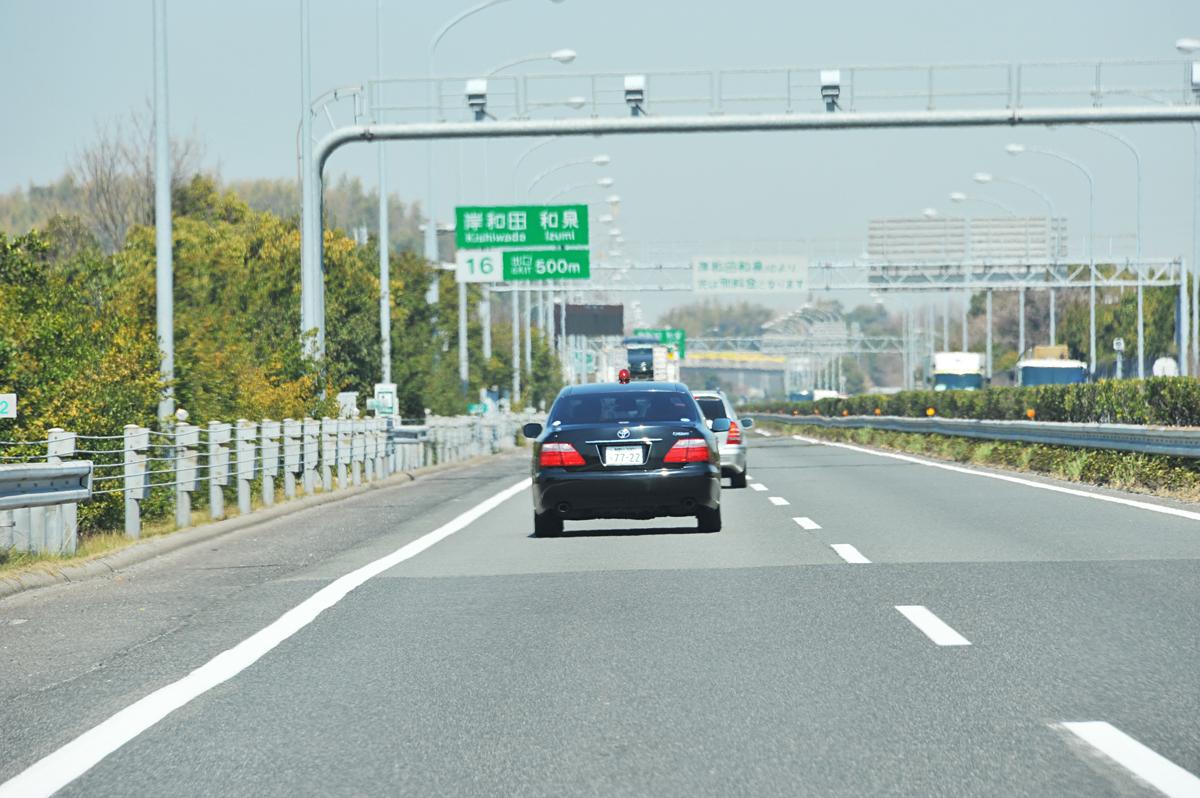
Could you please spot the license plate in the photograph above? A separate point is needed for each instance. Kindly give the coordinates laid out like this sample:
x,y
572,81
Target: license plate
x,y
623,455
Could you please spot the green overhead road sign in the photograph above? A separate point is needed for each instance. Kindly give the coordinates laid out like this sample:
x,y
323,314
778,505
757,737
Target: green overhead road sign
x,y
672,337
498,226
563,264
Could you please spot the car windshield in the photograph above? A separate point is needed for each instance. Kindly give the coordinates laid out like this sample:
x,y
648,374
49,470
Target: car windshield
x,y
631,406
712,407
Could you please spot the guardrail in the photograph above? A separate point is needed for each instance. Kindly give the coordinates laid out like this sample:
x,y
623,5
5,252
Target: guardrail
x,y
311,455
1171,441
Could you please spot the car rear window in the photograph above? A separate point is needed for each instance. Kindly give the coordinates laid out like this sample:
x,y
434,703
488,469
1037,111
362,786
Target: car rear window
x,y
633,406
712,407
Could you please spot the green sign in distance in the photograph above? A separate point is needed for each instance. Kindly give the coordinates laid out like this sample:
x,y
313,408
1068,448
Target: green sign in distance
x,y
477,409
561,264
672,337
502,226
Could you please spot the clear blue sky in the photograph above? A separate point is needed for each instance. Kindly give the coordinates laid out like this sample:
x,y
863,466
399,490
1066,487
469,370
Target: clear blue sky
x,y
234,75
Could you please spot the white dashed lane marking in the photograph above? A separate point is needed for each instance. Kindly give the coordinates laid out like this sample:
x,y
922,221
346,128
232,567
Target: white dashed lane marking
x,y
934,627
807,523
1143,762
848,553
759,486
777,500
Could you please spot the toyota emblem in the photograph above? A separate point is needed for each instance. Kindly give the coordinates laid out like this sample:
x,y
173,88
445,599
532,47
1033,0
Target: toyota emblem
x,y
623,433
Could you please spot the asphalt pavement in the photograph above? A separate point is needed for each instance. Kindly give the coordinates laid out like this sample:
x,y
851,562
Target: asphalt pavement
x,y
863,625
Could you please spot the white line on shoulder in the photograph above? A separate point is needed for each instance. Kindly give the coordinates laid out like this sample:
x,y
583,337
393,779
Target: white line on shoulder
x,y
1157,508
54,771
1146,763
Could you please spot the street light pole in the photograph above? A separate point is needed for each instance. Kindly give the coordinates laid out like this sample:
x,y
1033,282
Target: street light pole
x,y
384,239
599,160
984,177
1141,350
603,182
1017,149
958,196
311,278
163,270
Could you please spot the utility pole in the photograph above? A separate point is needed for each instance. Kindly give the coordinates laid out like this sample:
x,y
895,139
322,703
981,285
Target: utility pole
x,y
163,271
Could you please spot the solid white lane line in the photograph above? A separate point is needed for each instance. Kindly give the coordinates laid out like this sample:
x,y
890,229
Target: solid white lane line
x,y
807,523
934,627
1157,508
778,501
849,553
1148,765
68,763
759,486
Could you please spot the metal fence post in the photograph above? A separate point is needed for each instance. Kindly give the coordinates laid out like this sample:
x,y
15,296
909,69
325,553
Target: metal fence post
x,y
291,456
312,454
357,451
247,431
136,483
63,537
343,447
218,467
329,453
187,471
269,441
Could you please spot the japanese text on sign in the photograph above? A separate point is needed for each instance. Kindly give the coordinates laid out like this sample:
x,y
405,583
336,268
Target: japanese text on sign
x,y
757,273
524,225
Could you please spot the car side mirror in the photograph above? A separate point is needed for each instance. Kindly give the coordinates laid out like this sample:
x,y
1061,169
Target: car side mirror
x,y
532,430
747,423
720,425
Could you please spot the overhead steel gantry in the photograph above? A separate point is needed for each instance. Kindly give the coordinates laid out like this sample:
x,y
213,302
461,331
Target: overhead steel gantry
x,y
727,101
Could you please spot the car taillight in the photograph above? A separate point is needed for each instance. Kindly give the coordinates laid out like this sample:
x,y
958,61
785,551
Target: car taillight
x,y
688,450
735,434
560,454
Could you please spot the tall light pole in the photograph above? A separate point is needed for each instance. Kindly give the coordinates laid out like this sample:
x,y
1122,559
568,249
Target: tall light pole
x,y
599,160
1187,47
1017,149
431,247
164,275
311,278
385,248
603,182
958,196
985,177
1140,317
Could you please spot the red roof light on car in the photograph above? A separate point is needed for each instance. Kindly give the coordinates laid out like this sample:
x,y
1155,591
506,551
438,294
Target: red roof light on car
x,y
623,376
560,454
688,450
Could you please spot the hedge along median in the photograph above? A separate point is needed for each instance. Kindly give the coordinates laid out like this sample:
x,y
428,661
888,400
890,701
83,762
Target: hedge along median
x,y
1169,401
1170,477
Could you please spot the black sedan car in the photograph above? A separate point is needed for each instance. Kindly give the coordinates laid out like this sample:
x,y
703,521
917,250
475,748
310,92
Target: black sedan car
x,y
625,451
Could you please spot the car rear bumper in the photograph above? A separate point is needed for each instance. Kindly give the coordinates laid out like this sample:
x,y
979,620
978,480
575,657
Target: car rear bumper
x,y
578,495
733,460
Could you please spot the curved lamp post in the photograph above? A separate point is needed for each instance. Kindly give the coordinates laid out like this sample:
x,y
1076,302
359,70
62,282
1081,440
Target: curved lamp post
x,y
1017,149
599,160
958,196
603,182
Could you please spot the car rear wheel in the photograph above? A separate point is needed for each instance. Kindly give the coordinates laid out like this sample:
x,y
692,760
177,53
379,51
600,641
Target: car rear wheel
x,y
547,525
737,480
708,520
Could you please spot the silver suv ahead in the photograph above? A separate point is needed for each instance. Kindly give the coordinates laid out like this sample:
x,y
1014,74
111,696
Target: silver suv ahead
x,y
715,404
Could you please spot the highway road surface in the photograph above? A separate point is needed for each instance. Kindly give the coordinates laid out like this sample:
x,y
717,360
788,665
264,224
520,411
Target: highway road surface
x,y
865,624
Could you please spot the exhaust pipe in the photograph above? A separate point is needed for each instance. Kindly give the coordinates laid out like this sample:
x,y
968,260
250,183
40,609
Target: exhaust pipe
x,y
689,503
562,507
